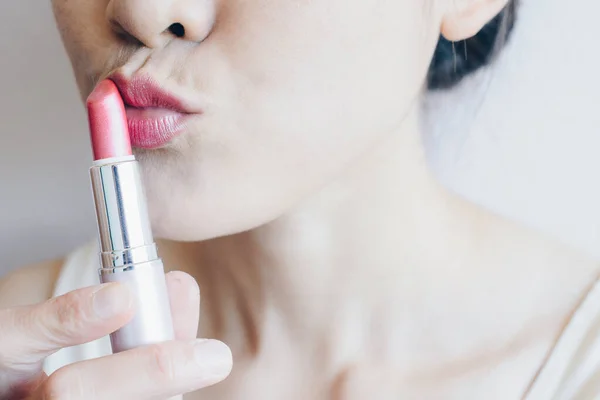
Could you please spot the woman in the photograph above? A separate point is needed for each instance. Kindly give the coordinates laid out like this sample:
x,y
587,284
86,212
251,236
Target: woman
x,y
296,193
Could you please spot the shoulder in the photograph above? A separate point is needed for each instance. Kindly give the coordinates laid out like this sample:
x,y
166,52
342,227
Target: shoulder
x,y
546,276
28,285
548,254
521,247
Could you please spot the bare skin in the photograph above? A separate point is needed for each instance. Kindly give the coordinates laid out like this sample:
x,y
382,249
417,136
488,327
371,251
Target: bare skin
x,y
29,285
375,312
330,261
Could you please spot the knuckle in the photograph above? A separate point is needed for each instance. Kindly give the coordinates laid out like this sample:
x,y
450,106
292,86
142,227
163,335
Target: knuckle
x,y
70,317
161,364
17,344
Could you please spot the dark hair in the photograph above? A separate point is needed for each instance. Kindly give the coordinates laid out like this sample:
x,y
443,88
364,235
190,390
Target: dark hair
x,y
452,61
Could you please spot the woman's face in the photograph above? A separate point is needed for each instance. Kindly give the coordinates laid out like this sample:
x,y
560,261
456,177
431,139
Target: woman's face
x,y
290,93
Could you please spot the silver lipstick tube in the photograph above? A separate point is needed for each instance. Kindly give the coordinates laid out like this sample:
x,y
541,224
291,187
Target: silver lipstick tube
x,y
128,253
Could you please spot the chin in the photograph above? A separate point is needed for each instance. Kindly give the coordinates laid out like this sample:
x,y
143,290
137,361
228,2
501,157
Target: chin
x,y
188,229
194,219
191,200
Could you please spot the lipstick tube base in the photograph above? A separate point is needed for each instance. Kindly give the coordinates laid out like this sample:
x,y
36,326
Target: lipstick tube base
x,y
152,322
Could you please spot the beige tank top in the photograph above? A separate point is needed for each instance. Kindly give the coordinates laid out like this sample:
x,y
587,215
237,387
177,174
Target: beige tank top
x,y
571,372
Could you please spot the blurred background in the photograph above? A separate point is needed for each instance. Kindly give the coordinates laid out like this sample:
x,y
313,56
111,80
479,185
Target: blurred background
x,y
521,138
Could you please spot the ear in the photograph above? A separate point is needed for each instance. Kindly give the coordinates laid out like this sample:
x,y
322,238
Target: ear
x,y
465,18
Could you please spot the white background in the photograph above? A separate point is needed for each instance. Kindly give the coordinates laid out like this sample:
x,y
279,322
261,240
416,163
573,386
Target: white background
x,y
522,139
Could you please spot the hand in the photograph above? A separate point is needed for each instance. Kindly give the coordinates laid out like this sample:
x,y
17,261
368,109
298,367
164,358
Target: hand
x,y
30,334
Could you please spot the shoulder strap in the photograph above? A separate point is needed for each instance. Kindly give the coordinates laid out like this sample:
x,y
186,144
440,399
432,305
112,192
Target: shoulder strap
x,y
574,363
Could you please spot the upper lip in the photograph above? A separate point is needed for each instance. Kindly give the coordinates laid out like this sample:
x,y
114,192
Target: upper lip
x,y
143,92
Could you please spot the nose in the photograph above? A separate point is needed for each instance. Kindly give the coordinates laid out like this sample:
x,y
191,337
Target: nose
x,y
154,23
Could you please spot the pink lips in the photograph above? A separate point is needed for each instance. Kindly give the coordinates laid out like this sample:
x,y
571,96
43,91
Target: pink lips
x,y
154,117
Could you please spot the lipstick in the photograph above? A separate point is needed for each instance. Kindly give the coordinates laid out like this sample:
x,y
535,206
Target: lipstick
x,y
128,253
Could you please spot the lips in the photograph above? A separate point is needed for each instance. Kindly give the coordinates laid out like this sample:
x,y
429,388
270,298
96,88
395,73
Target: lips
x,y
154,117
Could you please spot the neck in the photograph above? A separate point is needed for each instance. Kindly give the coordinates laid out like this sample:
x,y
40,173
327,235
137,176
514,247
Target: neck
x,y
352,243
384,244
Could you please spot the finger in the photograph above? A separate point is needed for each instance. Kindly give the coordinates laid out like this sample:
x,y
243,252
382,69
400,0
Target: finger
x,y
31,333
153,372
184,296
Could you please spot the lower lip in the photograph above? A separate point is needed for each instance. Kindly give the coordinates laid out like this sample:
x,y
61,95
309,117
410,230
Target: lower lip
x,y
151,128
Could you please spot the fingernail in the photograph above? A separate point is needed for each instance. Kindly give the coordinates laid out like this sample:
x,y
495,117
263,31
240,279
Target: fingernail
x,y
111,300
213,357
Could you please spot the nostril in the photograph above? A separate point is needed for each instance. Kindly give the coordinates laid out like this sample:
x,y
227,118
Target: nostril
x,y
177,29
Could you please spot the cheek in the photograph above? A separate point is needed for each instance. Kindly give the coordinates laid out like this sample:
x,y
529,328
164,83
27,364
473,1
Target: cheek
x,y
87,38
317,80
